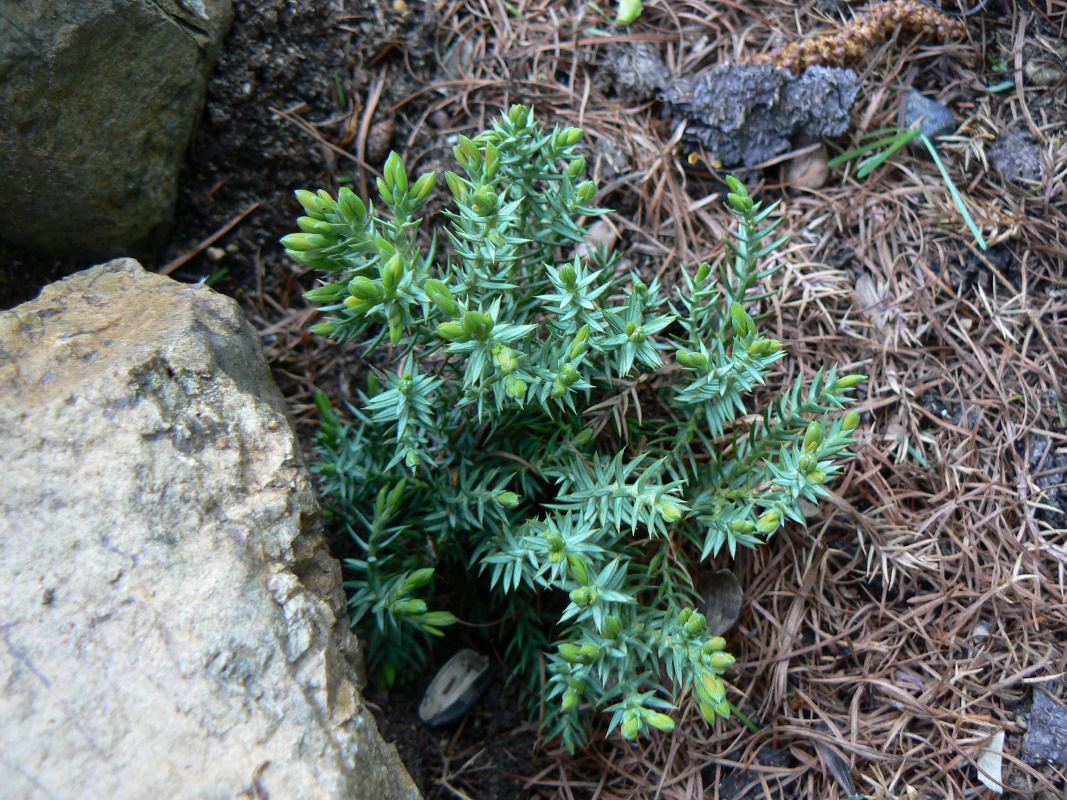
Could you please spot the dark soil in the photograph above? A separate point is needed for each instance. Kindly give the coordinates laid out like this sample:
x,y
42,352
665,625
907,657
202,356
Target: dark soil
x,y
487,754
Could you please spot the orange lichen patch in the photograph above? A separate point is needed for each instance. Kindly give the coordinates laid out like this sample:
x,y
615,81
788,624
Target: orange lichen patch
x,y
865,32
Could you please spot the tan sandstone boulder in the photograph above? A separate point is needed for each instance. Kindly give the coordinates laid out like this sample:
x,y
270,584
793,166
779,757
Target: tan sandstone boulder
x,y
170,622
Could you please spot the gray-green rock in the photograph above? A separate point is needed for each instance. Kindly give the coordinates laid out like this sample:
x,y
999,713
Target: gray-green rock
x,y
97,104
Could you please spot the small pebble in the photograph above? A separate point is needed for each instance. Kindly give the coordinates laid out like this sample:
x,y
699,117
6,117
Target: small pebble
x,y
379,140
439,119
936,119
215,254
808,171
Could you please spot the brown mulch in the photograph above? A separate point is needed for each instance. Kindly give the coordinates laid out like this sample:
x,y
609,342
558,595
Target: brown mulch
x,y
914,616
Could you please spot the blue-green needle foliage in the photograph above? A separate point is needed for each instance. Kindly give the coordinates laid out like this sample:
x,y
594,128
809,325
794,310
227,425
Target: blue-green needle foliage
x,y
557,427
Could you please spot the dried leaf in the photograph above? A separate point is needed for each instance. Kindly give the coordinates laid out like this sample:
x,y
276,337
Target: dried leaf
x,y
723,599
837,766
991,762
872,304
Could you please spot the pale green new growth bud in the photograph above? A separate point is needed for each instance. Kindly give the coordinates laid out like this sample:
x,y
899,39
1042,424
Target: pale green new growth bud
x,y
484,202
350,204
583,437
670,512
439,619
712,688
411,457
768,522
323,329
312,225
492,161
385,192
589,653
416,580
629,11
576,168
637,335
630,727
456,186
397,176
569,652
411,607
586,190
703,273
453,332
660,721
473,323
695,624
806,463
507,499
721,661
518,116
423,186
612,627
741,204
470,150
391,273
312,203
515,387
568,275
568,375
742,526
441,295
585,596
848,382
330,293
812,437
303,242
555,542
684,615
716,644
743,323
850,422
691,359
364,288
505,359
580,343
572,136
578,569
570,700
707,711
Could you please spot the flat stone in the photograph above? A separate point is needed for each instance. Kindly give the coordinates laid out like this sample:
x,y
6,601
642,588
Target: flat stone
x,y
171,624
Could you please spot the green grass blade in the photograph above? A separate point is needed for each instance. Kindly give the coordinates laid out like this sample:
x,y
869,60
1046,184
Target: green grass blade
x,y
859,151
955,194
869,165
